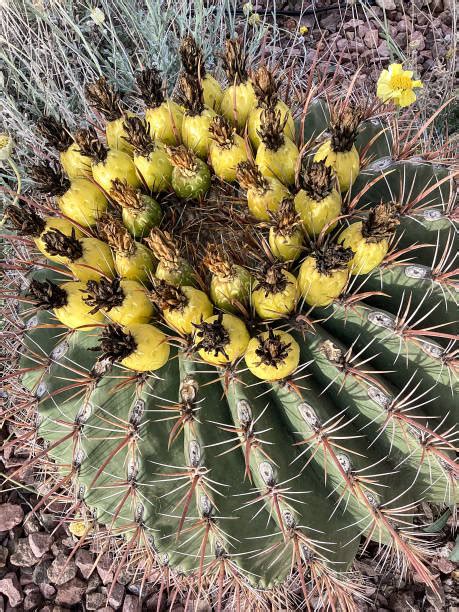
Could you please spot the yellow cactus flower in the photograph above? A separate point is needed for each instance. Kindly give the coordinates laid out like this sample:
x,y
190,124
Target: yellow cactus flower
x,y
80,528
396,85
6,146
304,30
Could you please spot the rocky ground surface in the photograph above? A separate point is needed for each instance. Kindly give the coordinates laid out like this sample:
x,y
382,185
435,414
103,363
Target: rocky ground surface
x,y
370,34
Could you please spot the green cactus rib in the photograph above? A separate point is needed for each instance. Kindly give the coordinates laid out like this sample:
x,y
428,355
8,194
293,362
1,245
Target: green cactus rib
x,y
233,484
433,291
400,348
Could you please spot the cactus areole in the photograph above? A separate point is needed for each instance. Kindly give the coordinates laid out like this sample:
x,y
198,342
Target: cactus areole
x,y
240,428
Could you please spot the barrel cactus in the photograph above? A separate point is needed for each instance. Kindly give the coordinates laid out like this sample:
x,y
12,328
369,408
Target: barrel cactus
x,y
282,391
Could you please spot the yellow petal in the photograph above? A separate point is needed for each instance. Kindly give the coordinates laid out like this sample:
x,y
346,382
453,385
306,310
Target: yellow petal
x,y
383,90
395,69
418,84
407,97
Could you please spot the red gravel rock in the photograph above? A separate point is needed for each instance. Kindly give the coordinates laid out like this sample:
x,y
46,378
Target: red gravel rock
x,y
95,601
71,592
84,561
9,586
10,516
4,552
33,601
115,598
40,543
104,568
131,604
23,555
62,570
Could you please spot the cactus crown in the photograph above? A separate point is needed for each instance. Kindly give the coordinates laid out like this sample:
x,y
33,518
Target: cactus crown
x,y
104,98
382,222
212,337
249,176
331,257
222,132
57,243
317,180
104,294
117,236
344,124
217,261
168,297
163,246
50,179
286,219
191,94
115,344
25,220
138,135
127,196
271,129
182,158
90,145
235,61
191,56
266,87
56,133
272,351
149,84
272,279
47,294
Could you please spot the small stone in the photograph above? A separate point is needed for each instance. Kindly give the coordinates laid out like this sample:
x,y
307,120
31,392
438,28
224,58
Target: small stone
x,y
93,583
40,543
23,555
62,570
383,50
131,604
95,600
71,592
371,39
417,41
40,572
445,566
47,590
4,552
329,23
9,586
353,23
84,561
401,39
31,524
105,569
10,516
386,5
116,595
25,577
59,548
33,601
151,605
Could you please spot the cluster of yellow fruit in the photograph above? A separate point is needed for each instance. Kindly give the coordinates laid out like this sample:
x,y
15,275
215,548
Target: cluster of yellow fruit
x,y
132,268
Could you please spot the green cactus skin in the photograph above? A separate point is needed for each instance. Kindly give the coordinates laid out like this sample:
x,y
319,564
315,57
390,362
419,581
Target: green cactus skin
x,y
227,482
